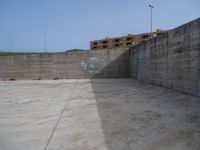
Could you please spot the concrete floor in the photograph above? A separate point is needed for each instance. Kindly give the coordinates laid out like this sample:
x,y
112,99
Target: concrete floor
x,y
107,114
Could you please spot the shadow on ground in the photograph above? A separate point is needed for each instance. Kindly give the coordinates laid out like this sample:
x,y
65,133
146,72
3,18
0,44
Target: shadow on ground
x,y
139,116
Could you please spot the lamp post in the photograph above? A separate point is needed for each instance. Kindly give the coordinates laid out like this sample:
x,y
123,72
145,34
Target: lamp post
x,y
45,41
148,43
151,7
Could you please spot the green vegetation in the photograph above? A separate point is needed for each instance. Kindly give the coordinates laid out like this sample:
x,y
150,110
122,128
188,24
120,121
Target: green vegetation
x,y
75,50
31,53
19,53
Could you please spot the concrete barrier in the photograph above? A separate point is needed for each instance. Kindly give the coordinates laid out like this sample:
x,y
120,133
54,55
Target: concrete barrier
x,y
108,63
171,60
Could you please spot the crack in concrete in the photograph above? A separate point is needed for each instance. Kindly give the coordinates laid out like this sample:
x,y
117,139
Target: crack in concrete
x,y
58,121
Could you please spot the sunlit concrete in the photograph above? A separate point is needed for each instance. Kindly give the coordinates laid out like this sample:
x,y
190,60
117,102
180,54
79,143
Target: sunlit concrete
x,y
103,114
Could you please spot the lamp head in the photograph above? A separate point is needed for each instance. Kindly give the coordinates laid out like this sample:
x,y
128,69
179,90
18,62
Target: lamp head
x,y
151,6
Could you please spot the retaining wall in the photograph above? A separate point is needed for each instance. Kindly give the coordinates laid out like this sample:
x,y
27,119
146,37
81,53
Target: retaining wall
x,y
109,63
171,60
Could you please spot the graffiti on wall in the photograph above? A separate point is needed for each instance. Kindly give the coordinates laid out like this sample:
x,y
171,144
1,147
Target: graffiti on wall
x,y
93,65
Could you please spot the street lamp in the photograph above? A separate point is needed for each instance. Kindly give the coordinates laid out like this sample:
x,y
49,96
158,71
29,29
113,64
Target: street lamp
x,y
151,7
148,43
45,41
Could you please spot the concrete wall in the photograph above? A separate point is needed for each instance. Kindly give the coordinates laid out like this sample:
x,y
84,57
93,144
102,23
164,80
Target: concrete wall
x,y
88,64
172,60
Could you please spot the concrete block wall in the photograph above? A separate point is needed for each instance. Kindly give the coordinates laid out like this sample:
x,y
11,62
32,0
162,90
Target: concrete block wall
x,y
86,64
111,63
171,60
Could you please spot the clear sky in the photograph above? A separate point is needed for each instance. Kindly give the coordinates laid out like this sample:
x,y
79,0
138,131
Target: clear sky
x,y
74,23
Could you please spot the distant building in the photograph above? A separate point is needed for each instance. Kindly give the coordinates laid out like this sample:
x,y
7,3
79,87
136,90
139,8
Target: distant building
x,y
124,41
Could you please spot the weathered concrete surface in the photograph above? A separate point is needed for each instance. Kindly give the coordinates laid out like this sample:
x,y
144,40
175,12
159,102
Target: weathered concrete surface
x,y
97,114
73,65
171,60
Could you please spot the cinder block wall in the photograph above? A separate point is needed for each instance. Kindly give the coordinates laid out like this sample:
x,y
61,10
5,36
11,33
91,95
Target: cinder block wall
x,y
171,60
88,64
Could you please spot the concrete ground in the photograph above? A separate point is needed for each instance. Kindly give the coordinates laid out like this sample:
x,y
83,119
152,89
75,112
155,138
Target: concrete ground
x,y
104,114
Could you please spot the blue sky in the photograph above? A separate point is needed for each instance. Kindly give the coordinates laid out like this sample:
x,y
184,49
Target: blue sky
x,y
74,23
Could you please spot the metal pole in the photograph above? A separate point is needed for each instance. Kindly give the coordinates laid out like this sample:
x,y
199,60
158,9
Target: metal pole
x,y
45,41
148,43
151,26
